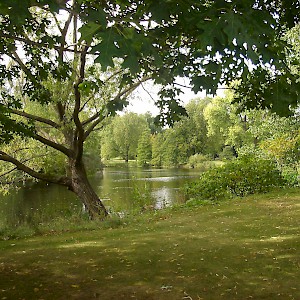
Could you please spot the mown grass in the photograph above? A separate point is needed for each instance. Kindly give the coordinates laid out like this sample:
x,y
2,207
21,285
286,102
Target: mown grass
x,y
240,249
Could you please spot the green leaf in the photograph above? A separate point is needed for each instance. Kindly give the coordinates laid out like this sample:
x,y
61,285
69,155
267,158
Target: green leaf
x,y
204,83
108,48
88,32
131,62
88,87
233,26
210,32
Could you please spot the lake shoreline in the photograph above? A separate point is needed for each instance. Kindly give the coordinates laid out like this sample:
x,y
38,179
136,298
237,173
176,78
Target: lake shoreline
x,y
123,190
81,222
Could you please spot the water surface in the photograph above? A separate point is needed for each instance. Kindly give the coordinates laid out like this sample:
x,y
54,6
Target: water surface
x,y
121,189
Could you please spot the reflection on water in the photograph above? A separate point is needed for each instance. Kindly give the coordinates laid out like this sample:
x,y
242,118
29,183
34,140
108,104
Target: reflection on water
x,y
164,197
164,179
118,189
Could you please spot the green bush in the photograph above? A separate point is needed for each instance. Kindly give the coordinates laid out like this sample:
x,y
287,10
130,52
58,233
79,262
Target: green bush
x,y
291,175
227,153
237,178
201,162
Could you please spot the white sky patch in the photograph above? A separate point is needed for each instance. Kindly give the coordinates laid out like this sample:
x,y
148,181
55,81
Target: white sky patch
x,y
144,98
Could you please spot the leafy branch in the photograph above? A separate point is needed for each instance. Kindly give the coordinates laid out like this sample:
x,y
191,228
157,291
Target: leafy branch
x,y
52,144
23,162
39,44
45,177
35,118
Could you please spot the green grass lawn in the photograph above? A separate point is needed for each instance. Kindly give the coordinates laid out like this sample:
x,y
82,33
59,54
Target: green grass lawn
x,y
240,249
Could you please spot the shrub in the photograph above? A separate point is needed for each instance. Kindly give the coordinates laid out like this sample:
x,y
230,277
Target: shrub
x,y
251,151
237,178
202,162
291,175
227,153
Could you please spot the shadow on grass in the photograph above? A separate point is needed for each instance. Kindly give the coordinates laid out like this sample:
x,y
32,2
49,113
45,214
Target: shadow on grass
x,y
245,249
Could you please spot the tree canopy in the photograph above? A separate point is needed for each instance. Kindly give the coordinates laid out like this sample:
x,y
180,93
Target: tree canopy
x,y
210,42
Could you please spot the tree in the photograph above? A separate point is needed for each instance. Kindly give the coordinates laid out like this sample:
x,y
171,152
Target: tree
x,y
284,149
276,137
225,126
144,150
293,56
126,132
157,149
122,136
180,142
61,114
198,125
171,153
209,42
108,147
279,90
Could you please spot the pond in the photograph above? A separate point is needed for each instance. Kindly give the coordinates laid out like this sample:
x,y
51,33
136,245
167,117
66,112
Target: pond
x,y
120,189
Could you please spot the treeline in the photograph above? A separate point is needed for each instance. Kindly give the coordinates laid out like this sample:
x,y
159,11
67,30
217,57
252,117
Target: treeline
x,y
213,129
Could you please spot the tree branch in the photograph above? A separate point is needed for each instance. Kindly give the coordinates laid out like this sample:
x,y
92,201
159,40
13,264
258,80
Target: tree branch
x,y
131,88
92,118
59,106
15,168
113,75
79,137
92,127
61,111
53,145
147,92
45,177
85,103
38,44
63,36
14,55
97,118
8,172
35,118
56,21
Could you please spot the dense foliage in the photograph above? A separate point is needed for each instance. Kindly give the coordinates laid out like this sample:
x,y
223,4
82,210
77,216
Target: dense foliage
x,y
213,131
240,177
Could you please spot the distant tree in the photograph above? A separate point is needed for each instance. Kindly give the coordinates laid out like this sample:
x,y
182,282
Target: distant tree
x,y
183,137
275,137
284,149
218,116
122,136
154,127
108,147
187,137
144,150
157,150
171,152
198,126
226,126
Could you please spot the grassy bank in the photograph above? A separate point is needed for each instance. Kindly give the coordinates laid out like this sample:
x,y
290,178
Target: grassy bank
x,y
120,163
241,249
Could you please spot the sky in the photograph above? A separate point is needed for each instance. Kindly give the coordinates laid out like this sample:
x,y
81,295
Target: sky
x,y
144,97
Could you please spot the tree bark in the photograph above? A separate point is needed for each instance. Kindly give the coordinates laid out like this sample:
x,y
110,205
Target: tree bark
x,y
81,186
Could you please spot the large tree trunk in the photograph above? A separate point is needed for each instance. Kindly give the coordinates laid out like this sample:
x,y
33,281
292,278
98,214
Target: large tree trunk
x,y
81,186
